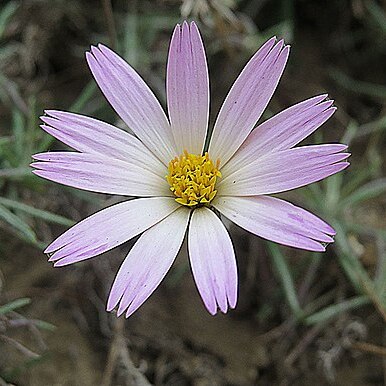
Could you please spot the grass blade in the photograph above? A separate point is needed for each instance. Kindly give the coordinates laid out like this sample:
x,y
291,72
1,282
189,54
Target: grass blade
x,y
14,305
336,309
285,277
39,213
366,192
19,225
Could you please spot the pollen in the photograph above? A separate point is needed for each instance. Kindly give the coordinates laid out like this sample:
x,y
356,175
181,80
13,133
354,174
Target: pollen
x,y
192,178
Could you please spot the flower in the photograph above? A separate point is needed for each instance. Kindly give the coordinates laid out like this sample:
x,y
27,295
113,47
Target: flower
x,y
180,185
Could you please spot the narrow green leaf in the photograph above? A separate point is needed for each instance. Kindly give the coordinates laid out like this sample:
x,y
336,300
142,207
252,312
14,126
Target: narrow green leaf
x,y
84,97
333,186
336,309
18,131
19,225
360,87
6,13
357,178
350,132
351,265
15,172
377,14
14,305
44,325
130,42
39,213
371,127
285,277
366,192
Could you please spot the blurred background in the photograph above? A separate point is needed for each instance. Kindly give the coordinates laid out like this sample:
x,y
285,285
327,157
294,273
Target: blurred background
x,y
302,318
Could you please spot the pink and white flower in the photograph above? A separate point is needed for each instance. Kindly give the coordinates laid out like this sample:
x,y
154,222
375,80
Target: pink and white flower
x,y
177,182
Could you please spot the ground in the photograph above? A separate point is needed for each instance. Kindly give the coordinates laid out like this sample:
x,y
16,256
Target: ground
x,y
172,339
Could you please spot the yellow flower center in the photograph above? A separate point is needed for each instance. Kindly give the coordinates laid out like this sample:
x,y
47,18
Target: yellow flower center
x,y
192,178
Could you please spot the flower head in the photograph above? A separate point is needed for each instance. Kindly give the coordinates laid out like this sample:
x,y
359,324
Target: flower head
x,y
192,178
177,181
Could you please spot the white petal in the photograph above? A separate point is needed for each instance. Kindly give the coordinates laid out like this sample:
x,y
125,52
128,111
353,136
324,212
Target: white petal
x,y
247,100
100,174
282,131
148,262
276,220
89,135
188,89
133,100
284,170
109,228
213,260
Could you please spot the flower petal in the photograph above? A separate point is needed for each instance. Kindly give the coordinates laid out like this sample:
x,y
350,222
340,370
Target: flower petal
x,y
282,131
148,262
276,220
89,135
133,100
109,228
247,99
187,86
213,260
99,174
284,170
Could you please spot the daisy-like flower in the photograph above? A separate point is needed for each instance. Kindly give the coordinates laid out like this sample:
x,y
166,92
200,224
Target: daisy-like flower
x,y
177,182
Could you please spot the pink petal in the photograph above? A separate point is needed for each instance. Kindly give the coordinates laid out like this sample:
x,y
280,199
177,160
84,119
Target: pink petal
x,y
133,100
109,228
212,259
148,262
277,220
247,100
187,86
89,135
100,174
284,170
282,131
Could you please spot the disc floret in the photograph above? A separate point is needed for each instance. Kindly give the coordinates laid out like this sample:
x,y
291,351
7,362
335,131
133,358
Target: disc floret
x,y
192,178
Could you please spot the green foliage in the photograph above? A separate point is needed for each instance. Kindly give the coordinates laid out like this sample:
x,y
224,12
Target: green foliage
x,y
230,29
6,308
335,199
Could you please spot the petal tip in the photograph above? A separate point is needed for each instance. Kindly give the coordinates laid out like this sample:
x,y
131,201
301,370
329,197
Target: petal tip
x,y
333,109
94,50
48,249
51,257
211,306
112,302
232,300
285,51
89,57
